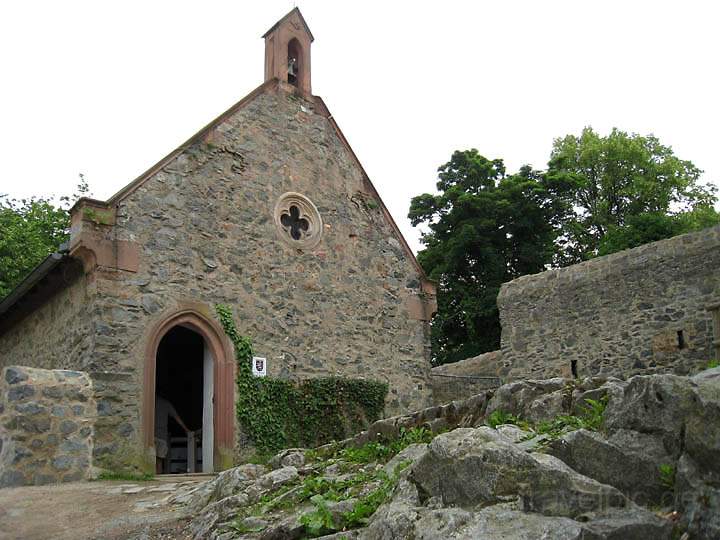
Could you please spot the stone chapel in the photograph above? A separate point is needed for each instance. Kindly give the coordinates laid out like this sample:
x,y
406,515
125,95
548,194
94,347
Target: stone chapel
x,y
267,210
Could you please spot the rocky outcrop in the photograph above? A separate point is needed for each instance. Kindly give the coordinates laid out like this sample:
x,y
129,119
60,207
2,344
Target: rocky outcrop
x,y
642,468
628,460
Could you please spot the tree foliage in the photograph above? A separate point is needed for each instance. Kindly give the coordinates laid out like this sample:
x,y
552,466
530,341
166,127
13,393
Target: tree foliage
x,y
30,230
599,195
645,228
485,228
628,186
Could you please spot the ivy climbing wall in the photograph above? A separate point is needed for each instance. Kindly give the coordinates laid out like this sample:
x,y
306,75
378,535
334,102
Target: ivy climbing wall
x,y
275,413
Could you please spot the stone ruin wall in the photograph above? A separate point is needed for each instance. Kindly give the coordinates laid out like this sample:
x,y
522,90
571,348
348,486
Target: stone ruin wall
x,y
57,425
650,309
46,426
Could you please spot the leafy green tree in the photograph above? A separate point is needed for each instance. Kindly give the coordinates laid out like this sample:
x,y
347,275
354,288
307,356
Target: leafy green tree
x,y
645,228
484,228
30,230
625,185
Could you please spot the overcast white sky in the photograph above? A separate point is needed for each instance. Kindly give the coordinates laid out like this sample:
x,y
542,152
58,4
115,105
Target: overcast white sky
x,y
108,88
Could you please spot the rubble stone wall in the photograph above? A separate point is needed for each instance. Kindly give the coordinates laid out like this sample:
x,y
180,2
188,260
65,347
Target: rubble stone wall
x,y
117,430
46,426
56,335
642,310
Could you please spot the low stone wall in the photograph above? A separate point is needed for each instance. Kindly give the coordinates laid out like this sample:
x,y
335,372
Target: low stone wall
x,y
644,310
45,426
466,378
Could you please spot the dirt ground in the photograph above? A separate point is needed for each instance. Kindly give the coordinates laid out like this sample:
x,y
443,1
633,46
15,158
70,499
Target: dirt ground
x,y
101,510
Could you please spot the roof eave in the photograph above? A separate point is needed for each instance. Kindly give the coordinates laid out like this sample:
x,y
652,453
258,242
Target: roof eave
x,y
32,279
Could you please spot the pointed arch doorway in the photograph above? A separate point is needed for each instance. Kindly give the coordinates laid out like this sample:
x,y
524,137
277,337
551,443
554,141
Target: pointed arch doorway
x,y
189,384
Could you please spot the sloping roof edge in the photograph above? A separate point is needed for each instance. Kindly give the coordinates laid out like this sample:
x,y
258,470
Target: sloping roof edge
x,y
302,19
369,183
140,180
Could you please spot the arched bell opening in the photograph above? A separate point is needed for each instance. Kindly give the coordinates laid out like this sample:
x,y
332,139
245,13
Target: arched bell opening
x,y
294,62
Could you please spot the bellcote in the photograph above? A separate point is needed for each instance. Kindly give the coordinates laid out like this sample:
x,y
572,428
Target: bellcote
x,y
287,51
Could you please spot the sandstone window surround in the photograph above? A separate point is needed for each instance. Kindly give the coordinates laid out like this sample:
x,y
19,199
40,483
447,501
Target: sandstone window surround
x,y
298,220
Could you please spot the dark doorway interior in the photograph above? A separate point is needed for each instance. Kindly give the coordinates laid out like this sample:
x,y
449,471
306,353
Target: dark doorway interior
x,y
179,380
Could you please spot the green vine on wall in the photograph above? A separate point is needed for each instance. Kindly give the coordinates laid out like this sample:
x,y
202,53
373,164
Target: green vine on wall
x,y
276,413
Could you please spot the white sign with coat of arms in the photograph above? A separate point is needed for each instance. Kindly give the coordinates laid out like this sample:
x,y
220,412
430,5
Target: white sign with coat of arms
x,y
259,366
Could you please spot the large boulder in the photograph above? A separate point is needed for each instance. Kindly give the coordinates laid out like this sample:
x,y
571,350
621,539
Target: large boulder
x,y
554,489
659,405
702,428
498,521
467,467
632,523
683,412
470,467
507,521
697,497
629,462
533,400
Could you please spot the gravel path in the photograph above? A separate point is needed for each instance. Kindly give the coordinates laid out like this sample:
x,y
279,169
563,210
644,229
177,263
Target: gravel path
x,y
107,510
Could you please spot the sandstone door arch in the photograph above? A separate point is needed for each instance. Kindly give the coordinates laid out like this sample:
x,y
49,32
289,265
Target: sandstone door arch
x,y
219,361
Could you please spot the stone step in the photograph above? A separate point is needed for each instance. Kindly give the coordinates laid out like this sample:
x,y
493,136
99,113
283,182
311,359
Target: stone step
x,y
185,477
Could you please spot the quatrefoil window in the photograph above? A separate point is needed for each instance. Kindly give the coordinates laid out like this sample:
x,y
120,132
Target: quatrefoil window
x,y
298,220
294,224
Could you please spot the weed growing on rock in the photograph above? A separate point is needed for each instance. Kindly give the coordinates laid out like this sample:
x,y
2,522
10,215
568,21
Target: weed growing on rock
x,y
594,413
321,521
591,418
499,417
383,451
667,475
